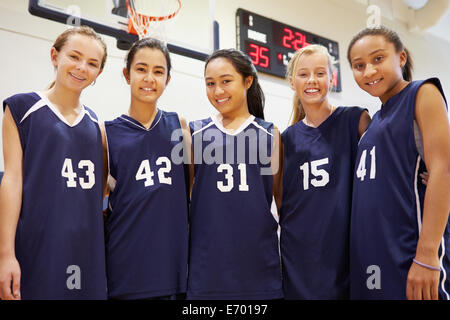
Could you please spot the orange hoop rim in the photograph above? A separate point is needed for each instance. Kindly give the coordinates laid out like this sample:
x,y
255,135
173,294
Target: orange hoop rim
x,y
147,18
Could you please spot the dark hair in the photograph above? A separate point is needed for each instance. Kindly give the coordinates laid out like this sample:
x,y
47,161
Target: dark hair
x,y
244,65
148,43
62,39
392,37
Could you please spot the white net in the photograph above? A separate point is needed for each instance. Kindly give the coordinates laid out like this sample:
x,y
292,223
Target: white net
x,y
149,17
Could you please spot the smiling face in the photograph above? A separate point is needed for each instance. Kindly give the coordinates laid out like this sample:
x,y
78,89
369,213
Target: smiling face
x,y
311,79
78,63
377,67
148,75
226,88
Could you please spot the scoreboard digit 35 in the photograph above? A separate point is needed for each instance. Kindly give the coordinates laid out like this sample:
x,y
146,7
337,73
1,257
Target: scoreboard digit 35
x,y
271,44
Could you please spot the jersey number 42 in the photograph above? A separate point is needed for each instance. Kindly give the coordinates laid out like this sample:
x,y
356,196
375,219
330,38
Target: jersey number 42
x,y
145,173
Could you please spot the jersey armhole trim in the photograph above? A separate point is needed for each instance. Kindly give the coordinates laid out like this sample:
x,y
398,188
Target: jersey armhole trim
x,y
201,129
262,128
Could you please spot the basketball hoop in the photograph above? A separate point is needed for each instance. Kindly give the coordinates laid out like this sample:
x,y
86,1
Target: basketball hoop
x,y
146,18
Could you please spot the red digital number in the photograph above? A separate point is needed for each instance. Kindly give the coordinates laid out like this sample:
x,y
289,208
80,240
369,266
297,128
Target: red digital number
x,y
287,38
294,40
300,41
257,55
254,55
264,58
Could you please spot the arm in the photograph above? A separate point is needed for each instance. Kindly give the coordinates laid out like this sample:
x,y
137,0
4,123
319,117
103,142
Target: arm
x,y
431,117
187,141
364,122
10,205
105,160
277,168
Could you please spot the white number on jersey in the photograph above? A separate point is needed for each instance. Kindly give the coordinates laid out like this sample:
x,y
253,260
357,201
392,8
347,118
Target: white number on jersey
x,y
67,172
316,172
89,172
145,173
361,170
228,185
168,166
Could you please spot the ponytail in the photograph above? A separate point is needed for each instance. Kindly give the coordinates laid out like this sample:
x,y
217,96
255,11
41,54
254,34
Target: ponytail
x,y
256,99
408,67
298,113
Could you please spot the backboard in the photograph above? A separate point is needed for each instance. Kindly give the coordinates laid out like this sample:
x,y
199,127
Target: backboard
x,y
192,33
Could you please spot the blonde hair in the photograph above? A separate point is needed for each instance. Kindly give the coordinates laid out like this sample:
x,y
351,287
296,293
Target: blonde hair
x,y
62,39
298,113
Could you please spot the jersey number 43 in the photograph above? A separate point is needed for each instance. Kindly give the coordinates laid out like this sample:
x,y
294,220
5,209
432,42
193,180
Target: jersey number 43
x,y
68,173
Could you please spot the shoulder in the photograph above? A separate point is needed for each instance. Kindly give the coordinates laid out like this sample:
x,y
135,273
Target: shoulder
x,y
110,123
173,119
269,126
91,113
288,132
265,126
21,100
430,98
429,88
198,125
19,104
351,110
183,121
170,115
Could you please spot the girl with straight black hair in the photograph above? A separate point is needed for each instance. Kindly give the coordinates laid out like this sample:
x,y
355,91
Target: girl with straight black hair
x,y
233,233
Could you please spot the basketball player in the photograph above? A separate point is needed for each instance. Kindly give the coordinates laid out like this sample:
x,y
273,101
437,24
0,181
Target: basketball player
x,y
233,234
400,238
147,221
319,155
51,227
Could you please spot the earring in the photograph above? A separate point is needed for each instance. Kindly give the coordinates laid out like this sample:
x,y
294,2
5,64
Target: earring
x,y
93,83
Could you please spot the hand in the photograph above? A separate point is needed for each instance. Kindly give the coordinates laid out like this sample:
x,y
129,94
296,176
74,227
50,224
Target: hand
x,y
422,283
9,278
425,176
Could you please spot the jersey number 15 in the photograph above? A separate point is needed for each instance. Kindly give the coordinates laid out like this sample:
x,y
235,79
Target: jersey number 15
x,y
316,172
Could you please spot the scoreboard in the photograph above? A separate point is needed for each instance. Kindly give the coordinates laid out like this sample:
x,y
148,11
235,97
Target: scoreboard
x,y
271,44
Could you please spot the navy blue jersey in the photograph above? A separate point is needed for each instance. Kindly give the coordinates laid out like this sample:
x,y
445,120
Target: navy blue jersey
x,y
234,250
147,224
315,213
388,202
59,237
